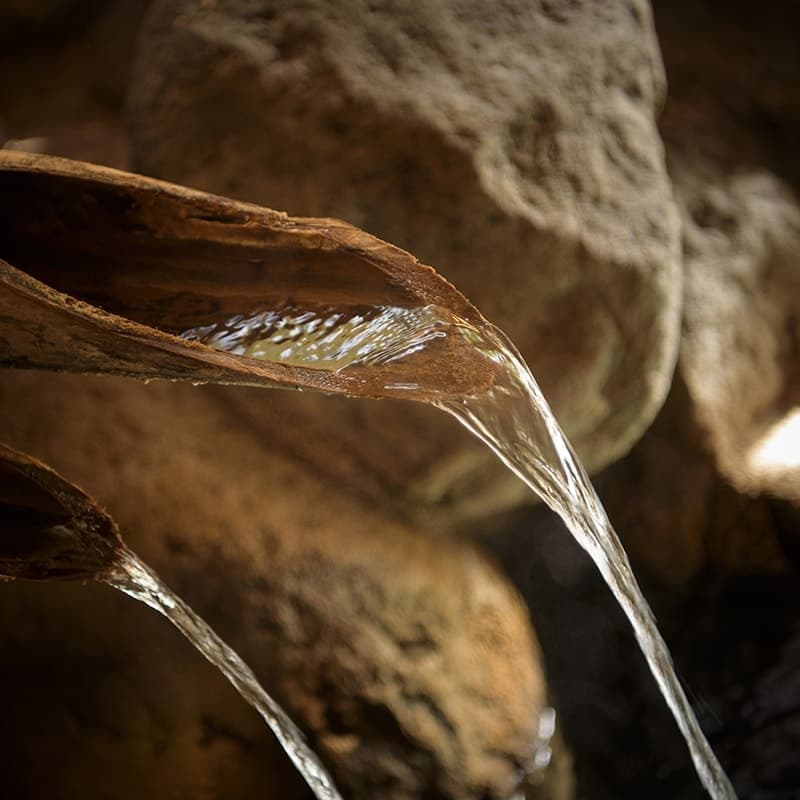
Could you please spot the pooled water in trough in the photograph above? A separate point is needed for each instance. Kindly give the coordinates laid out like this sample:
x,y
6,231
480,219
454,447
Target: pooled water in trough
x,y
324,337
136,579
512,418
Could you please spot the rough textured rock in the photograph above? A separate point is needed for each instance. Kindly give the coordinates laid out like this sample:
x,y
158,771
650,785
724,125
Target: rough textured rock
x,y
679,518
513,148
731,126
741,344
408,657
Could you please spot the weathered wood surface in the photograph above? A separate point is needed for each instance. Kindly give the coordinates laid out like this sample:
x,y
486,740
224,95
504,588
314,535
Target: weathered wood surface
x,y
100,270
49,528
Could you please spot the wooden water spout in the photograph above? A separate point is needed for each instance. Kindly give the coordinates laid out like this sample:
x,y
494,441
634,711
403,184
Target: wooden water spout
x,y
52,530
49,528
100,270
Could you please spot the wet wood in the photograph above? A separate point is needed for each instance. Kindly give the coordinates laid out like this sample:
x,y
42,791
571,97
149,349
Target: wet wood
x,y
100,270
49,528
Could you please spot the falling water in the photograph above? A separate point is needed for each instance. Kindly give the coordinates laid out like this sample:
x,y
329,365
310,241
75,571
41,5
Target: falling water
x,y
135,578
512,418
515,421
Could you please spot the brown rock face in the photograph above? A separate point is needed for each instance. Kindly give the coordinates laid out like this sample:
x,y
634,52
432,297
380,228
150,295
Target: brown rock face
x,y
408,657
741,348
514,149
731,130
679,518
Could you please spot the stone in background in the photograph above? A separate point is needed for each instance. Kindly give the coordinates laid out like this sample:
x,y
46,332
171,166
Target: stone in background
x,y
513,148
731,127
408,658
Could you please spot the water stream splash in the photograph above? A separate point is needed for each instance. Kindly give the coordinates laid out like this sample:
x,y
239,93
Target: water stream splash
x,y
136,579
512,418
516,422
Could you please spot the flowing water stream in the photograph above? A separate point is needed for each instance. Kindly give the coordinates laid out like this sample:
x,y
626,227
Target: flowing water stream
x,y
515,421
136,579
512,418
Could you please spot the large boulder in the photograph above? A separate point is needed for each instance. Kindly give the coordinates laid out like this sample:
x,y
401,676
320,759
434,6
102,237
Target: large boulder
x,y
741,345
679,517
408,658
731,128
514,148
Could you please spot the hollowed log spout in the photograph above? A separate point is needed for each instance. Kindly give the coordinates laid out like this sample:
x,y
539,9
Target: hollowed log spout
x,y
49,528
101,270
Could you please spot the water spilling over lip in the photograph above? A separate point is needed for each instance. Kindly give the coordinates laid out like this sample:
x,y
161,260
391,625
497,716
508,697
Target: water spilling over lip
x,y
512,418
